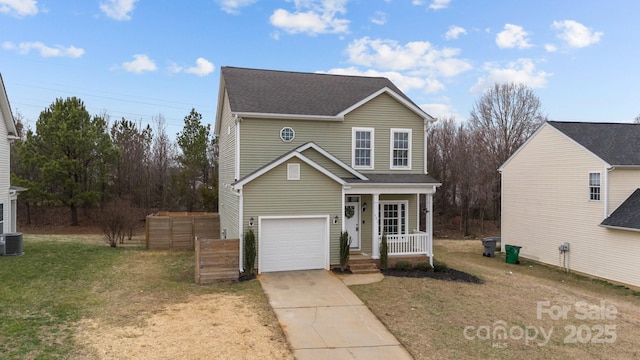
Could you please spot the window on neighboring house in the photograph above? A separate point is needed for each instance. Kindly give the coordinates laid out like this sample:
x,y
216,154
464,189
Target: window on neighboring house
x,y
362,144
293,171
594,186
393,218
400,149
1,218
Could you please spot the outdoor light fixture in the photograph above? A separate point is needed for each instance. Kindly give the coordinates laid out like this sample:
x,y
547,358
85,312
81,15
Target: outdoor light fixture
x,y
364,206
335,220
251,222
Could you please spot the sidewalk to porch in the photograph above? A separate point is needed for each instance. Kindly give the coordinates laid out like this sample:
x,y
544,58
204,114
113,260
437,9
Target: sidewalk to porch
x,y
323,319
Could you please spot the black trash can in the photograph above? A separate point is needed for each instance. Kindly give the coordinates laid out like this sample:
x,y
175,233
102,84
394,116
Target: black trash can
x,y
489,244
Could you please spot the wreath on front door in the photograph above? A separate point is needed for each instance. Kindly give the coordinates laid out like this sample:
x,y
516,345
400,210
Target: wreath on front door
x,y
349,211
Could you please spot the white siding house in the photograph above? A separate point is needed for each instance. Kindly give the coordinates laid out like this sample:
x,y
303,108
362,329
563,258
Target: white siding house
x,y
8,195
576,183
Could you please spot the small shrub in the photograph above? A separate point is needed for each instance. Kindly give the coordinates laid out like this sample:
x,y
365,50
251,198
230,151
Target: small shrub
x,y
249,251
117,221
403,266
384,253
423,266
345,244
440,266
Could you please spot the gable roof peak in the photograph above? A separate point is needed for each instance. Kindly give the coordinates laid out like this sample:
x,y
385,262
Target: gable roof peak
x,y
321,95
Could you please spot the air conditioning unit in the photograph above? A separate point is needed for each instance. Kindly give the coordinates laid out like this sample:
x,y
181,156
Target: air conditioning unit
x,y
12,243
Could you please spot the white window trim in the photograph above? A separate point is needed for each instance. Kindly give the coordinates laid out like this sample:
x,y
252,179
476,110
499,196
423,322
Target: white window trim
x,y
391,166
292,131
406,215
599,185
353,148
293,171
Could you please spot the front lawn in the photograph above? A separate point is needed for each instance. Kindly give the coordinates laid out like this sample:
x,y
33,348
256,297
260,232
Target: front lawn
x,y
64,283
526,311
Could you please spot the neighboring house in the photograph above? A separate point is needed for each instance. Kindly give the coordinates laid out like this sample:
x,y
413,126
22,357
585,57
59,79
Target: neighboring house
x,y
8,194
576,183
304,156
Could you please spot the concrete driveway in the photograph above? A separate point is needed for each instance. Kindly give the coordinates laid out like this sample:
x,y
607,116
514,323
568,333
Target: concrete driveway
x,y
323,319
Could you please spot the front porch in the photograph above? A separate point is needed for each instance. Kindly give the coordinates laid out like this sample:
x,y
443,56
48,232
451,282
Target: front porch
x,y
362,263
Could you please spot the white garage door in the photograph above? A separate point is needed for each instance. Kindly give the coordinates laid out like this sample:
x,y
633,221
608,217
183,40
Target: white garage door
x,y
295,243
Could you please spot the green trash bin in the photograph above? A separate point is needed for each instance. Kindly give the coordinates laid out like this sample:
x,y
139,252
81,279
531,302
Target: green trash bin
x,y
512,254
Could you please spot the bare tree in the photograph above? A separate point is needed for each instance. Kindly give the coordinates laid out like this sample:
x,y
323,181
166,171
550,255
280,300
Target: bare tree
x,y
503,119
163,151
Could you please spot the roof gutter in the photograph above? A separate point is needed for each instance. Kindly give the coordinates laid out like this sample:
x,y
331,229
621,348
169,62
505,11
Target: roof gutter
x,y
289,116
619,228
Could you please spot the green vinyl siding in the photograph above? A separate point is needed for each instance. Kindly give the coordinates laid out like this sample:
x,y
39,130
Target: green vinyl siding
x,y
314,194
260,138
327,163
228,201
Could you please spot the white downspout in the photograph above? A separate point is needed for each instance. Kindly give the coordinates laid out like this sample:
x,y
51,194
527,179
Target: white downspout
x,y
607,170
241,229
429,218
237,155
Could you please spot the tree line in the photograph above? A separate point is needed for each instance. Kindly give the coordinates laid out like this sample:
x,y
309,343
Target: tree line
x,y
77,160
465,156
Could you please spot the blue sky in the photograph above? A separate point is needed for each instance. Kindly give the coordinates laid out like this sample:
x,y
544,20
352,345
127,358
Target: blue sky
x,y
141,58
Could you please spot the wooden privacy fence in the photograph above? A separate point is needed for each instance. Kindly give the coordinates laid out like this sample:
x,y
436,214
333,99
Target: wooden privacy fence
x,y
217,259
178,231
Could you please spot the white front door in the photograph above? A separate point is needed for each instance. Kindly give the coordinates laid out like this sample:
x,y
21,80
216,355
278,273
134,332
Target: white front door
x,y
352,220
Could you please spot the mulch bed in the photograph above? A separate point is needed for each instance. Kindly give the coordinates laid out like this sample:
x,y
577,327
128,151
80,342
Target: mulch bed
x,y
445,274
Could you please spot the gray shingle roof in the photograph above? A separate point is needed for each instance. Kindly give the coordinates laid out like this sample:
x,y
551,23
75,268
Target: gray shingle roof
x,y
395,179
615,143
627,214
285,92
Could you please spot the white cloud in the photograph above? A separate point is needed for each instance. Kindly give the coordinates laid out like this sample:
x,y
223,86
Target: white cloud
x,y
522,71
312,17
575,34
415,56
19,8
439,4
550,47
140,64
442,111
454,32
119,10
234,6
44,50
513,36
404,82
380,18
203,67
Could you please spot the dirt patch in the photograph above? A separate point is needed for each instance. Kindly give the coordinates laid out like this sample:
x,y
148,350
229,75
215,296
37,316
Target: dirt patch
x,y
206,327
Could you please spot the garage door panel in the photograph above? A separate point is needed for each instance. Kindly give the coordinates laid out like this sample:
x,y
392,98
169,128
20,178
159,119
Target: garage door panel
x,y
293,244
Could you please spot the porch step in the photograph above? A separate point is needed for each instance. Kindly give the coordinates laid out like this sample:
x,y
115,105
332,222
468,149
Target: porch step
x,y
363,266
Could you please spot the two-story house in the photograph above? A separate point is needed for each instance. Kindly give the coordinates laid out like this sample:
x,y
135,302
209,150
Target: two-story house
x,y
305,156
571,198
8,194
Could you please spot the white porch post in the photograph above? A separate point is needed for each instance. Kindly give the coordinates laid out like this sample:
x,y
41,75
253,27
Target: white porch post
x,y
376,225
429,229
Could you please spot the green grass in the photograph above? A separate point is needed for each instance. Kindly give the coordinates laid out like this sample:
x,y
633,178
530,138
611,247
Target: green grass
x,y
44,291
63,279
429,317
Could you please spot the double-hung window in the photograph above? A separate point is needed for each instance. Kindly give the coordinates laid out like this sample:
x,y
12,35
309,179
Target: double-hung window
x,y
400,149
594,186
1,218
393,218
362,144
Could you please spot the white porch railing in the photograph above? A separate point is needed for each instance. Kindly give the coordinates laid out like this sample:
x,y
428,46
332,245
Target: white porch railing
x,y
408,244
